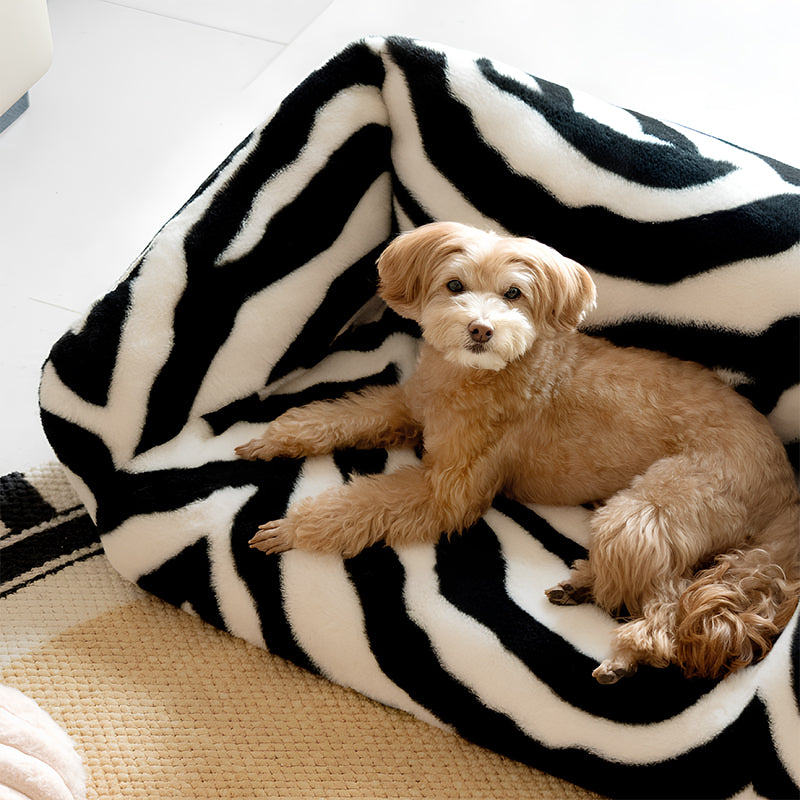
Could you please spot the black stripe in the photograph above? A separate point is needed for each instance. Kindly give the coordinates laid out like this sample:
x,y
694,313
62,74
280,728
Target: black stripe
x,y
252,409
279,144
562,546
592,235
289,241
352,461
345,296
771,778
327,390
21,505
471,573
186,578
215,294
675,164
89,374
741,754
7,591
406,656
262,573
410,205
171,489
370,336
771,359
38,549
329,198
787,172
361,338
82,452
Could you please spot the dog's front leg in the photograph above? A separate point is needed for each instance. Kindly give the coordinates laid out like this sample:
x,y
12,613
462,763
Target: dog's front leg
x,y
376,417
413,504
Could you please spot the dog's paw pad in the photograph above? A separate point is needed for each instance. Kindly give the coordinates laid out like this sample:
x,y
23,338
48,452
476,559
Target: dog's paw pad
x,y
610,672
559,597
565,594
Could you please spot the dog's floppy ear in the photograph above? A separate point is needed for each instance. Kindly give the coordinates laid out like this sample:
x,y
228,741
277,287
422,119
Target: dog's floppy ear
x,y
565,292
406,266
576,294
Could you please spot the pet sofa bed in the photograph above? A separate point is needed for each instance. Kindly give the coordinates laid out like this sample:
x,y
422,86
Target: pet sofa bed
x,y
259,295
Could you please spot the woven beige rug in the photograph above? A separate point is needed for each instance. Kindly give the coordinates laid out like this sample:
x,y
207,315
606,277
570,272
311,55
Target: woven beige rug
x,y
161,705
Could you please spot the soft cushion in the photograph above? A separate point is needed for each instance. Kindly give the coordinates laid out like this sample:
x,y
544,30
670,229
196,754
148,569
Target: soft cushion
x,y
259,295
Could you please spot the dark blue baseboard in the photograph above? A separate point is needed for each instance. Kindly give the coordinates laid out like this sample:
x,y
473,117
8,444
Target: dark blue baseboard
x,y
15,111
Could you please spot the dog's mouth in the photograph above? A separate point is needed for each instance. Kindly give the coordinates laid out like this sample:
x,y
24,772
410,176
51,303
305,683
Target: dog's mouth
x,y
478,347
476,355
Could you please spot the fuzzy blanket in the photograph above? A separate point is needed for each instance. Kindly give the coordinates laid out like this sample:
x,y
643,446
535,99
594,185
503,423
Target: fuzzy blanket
x,y
259,295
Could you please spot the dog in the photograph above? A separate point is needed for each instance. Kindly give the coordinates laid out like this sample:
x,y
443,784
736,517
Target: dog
x,y
695,539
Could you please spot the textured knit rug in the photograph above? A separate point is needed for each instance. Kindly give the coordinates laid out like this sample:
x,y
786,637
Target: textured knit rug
x,y
260,295
161,705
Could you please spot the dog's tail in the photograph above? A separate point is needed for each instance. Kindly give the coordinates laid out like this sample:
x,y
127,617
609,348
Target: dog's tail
x,y
731,613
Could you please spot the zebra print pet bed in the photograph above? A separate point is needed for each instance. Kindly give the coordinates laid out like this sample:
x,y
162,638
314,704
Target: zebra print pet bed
x,y
259,295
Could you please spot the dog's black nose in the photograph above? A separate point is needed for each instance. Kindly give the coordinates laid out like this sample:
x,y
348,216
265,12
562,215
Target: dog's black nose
x,y
480,333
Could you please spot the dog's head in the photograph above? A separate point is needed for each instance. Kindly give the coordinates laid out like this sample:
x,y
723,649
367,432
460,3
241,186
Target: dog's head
x,y
482,299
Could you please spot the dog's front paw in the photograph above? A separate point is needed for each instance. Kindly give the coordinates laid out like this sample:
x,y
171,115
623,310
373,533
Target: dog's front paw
x,y
612,670
277,536
255,449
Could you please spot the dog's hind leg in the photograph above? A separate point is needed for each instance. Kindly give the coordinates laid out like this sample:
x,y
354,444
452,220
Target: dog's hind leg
x,y
647,542
734,609
576,589
650,639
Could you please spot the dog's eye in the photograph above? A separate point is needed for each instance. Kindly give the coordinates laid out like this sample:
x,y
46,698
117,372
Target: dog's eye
x,y
513,294
455,287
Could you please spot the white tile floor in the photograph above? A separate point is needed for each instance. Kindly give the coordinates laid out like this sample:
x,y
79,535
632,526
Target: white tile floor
x,y
145,97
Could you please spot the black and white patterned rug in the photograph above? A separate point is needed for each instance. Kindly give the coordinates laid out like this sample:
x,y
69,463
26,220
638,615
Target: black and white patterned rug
x,y
44,527
259,294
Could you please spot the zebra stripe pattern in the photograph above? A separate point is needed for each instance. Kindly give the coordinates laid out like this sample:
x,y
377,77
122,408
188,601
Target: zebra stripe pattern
x,y
259,295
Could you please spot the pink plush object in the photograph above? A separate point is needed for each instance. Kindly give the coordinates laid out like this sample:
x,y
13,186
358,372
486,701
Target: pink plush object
x,y
38,759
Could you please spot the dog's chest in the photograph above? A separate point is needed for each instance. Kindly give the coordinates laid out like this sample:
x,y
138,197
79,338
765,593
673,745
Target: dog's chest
x,y
469,409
